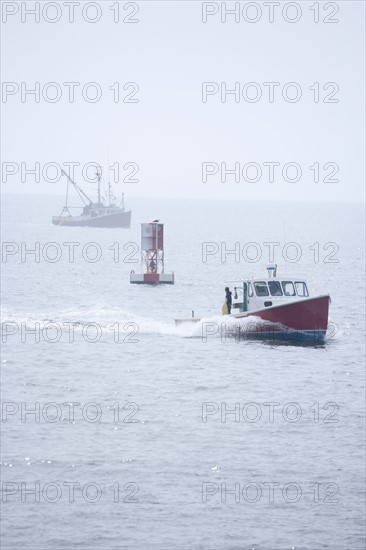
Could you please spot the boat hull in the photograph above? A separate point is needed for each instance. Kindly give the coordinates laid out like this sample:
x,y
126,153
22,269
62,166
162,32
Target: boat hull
x,y
304,320
120,219
301,321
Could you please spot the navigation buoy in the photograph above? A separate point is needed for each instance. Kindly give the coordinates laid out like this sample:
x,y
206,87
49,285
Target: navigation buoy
x,y
152,256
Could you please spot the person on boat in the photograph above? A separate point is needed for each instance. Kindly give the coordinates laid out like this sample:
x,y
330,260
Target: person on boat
x,y
152,266
228,299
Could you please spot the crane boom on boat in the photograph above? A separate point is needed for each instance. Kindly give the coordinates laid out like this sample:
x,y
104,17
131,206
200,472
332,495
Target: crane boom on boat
x,y
80,192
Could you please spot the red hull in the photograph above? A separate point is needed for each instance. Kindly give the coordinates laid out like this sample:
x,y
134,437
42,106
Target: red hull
x,y
310,314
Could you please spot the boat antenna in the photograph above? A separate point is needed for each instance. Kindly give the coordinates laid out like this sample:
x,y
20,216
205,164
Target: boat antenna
x,y
80,192
109,189
99,177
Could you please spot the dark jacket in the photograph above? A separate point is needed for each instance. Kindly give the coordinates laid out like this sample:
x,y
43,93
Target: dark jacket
x,y
228,296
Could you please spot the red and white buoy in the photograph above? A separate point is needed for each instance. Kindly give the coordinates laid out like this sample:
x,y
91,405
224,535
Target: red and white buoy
x,y
152,257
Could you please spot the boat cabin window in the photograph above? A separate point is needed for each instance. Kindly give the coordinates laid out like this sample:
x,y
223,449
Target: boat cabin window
x,y
301,288
250,290
275,288
261,288
288,288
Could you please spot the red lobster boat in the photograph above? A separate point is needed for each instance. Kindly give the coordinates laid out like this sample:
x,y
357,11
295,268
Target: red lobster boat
x,y
277,308
284,305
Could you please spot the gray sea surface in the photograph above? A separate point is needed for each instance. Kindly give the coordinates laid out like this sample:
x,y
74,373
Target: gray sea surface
x,y
172,443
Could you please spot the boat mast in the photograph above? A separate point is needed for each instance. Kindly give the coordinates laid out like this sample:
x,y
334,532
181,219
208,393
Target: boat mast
x,y
99,176
109,191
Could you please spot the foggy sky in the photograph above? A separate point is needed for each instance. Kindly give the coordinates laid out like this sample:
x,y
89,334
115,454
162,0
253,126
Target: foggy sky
x,y
170,131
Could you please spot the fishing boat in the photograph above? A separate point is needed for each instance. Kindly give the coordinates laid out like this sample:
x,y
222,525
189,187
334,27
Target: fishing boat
x,y
103,213
277,308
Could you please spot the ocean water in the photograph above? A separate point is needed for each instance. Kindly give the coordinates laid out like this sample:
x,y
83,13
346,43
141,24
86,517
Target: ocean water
x,y
176,441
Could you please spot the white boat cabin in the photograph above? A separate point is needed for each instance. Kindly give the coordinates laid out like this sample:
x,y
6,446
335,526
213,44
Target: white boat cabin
x,y
255,294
